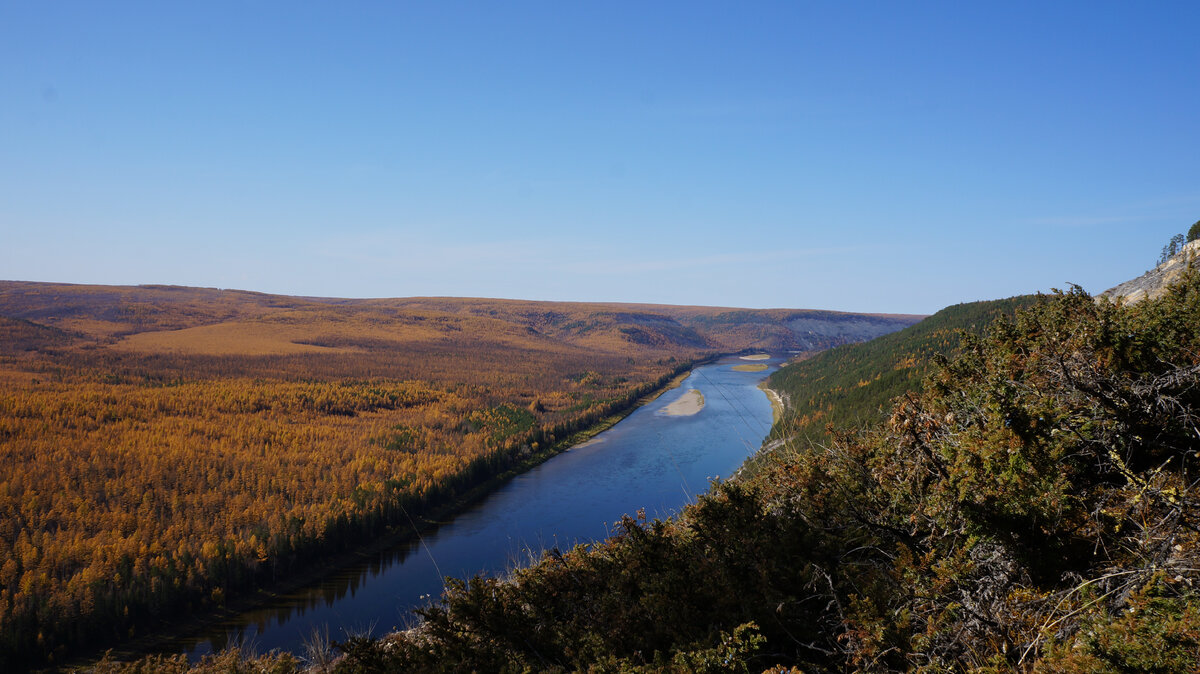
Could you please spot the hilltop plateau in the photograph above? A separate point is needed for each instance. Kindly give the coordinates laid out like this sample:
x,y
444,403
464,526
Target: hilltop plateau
x,y
207,321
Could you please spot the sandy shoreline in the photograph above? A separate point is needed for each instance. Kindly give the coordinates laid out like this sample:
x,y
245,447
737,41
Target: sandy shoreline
x,y
690,403
777,404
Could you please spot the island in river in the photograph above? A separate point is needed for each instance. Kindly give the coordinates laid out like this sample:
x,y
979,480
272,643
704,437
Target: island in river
x,y
691,402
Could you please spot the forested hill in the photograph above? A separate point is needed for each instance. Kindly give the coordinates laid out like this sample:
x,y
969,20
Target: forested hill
x,y
852,386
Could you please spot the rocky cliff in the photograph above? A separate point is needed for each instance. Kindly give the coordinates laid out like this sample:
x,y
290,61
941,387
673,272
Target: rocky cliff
x,y
1154,282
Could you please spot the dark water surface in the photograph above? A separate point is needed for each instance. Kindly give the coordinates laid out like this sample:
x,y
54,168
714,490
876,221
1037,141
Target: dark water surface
x,y
649,460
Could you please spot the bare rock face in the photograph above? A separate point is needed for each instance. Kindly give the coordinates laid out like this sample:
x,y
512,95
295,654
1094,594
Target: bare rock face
x,y
1154,282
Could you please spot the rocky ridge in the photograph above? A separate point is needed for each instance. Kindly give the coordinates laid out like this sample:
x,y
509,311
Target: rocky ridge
x,y
1154,282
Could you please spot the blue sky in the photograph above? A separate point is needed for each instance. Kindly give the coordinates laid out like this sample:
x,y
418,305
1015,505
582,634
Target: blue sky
x,y
895,157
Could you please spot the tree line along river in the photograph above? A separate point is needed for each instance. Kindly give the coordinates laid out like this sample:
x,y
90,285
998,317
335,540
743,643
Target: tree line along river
x,y
652,460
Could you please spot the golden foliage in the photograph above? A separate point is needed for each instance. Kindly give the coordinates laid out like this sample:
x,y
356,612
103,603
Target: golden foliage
x,y
155,461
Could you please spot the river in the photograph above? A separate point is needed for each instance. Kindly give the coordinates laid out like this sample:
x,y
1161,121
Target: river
x,y
649,461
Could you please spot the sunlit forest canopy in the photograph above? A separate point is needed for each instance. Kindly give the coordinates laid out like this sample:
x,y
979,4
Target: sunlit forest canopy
x,y
168,449
852,386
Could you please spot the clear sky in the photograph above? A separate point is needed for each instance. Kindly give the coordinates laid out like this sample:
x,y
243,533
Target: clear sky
x,y
883,156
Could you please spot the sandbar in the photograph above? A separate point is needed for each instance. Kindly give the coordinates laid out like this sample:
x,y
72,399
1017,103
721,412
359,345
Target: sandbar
x,y
688,404
749,367
756,356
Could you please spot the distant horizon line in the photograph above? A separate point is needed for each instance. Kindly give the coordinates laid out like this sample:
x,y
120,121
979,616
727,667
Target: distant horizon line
x,y
167,286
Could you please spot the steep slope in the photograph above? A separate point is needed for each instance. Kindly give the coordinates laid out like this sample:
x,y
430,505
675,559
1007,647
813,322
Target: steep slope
x,y
851,386
786,330
1155,282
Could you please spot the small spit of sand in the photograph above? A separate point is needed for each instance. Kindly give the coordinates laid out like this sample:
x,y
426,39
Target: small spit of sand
x,y
777,404
749,367
588,443
756,356
690,403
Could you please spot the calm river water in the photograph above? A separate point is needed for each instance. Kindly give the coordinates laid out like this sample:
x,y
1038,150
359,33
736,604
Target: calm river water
x,y
649,460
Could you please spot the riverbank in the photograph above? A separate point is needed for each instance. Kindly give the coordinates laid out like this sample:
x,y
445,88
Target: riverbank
x,y
649,443
172,636
777,403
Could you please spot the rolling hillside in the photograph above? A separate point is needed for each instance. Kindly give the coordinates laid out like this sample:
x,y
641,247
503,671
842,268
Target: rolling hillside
x,y
206,321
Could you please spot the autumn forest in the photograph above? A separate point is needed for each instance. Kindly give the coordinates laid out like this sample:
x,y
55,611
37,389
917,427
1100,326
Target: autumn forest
x,y
167,450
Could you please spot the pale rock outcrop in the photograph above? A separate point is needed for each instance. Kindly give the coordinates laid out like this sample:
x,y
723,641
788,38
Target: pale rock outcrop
x,y
1154,282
